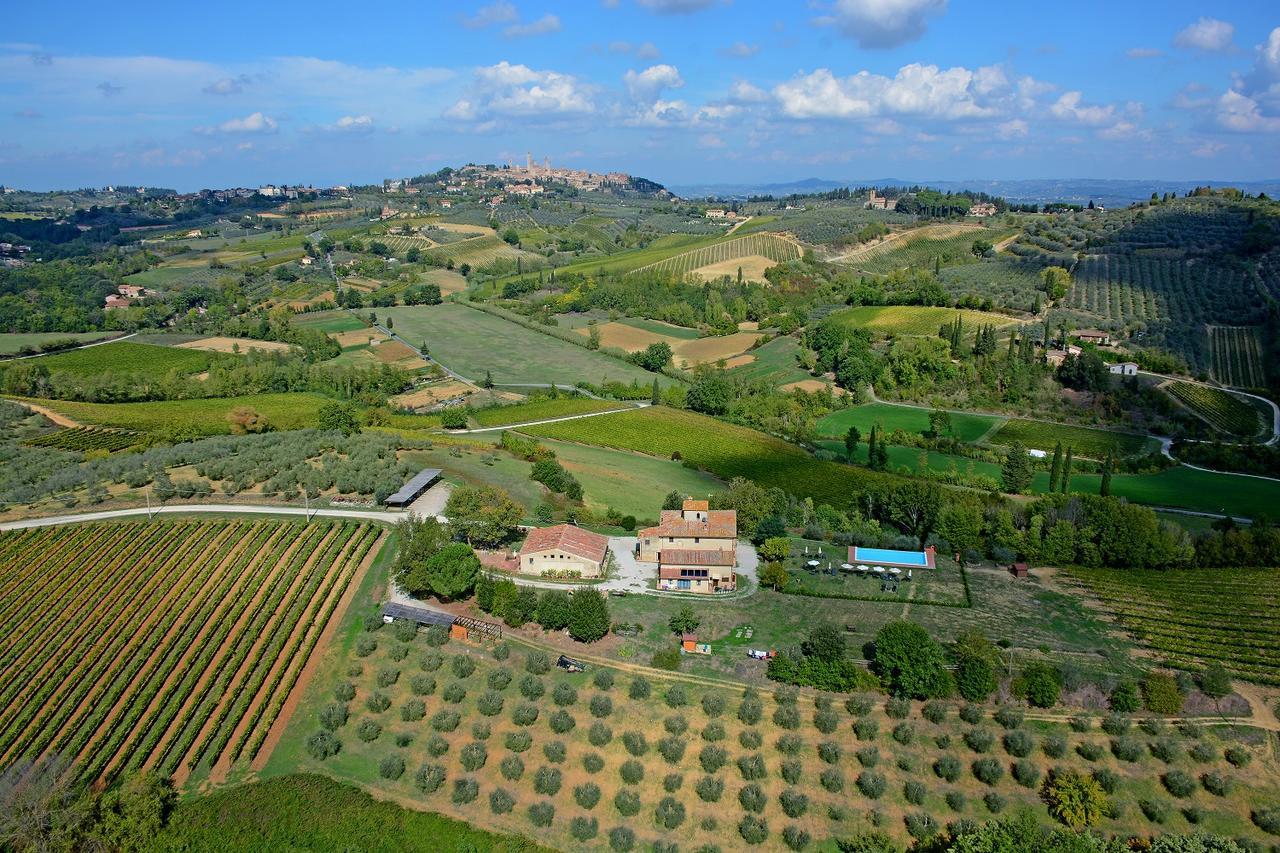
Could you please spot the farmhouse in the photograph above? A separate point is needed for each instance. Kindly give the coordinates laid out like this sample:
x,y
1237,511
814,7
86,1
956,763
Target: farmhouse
x,y
1094,336
1124,368
695,548
132,291
982,208
564,547
879,202
716,213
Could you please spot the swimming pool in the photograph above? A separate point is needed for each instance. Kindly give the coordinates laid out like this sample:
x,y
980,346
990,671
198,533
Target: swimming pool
x,y
889,557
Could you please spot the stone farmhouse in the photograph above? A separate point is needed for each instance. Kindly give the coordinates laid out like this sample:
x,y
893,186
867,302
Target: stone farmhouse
x,y
564,548
695,548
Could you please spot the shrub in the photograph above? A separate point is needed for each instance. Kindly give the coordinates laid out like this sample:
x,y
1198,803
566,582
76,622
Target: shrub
x,y
1009,716
635,743
631,771
592,762
904,733
754,830
413,710
675,725
712,758
858,706
403,739
791,770
1090,751
622,839
599,734
832,780
794,803
1203,752
1054,746
464,791
947,767
921,825
584,828
672,782
1164,749
979,740
751,709
512,768
1267,819
871,784
934,711
536,662
826,721
906,763
1108,780
1128,749
640,688
795,837
1124,698
1193,814
603,679
1075,800
422,685
868,756
453,693
913,792
437,636
627,802
501,651
368,731
1018,743
1155,811
437,746
518,741
866,729
1040,683
676,696
554,752
562,721
398,653
994,802
1238,756
601,706
1152,726
547,781
669,813
713,732
988,771
462,666
531,688
971,714
712,704
790,744
429,778
829,752
564,695
1116,724
1160,694
344,692
672,749
322,745
897,708
333,716
1191,729
542,814
955,801
1179,783
587,795
1080,723
751,767
943,741
750,739
668,659
430,661
525,715
500,802
365,646
1025,773
709,789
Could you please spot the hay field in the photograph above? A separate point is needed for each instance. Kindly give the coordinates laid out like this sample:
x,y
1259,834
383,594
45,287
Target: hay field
x,y
224,344
626,338
713,349
752,266
429,395
359,338
447,280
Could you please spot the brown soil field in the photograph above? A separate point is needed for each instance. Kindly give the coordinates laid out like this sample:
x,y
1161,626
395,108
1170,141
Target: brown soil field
x,y
748,326
361,283
809,385
713,349
462,229
389,352
739,360
431,394
752,266
628,338
449,281
358,337
221,344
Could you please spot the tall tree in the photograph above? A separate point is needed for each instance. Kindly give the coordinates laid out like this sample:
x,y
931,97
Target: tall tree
x,y
484,515
1015,476
851,439
1105,488
1055,473
588,615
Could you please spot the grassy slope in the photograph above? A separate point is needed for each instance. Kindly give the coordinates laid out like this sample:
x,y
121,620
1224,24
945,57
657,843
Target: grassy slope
x,y
207,417
964,426
775,361
1093,443
916,319
543,409
130,357
11,342
328,321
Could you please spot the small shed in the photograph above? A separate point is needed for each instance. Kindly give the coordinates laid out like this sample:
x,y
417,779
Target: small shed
x,y
689,642
1018,570
411,490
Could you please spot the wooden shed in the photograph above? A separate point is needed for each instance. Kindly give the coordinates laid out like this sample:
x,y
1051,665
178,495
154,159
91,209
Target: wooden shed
x,y
1018,570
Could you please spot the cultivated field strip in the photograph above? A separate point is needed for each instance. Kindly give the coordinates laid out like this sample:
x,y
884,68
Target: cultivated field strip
x,y
1235,356
771,246
163,644
1218,408
80,439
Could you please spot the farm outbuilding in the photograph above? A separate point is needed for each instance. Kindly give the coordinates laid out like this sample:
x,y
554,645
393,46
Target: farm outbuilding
x,y
1018,570
413,489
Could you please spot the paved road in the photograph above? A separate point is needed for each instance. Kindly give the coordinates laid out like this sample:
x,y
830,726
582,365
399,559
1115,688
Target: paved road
x,y
548,420
323,512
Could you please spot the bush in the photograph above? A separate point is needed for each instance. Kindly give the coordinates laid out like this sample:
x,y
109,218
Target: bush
x,y
1193,814
1165,750
1025,773
525,715
531,688
751,709
627,802
971,714
1267,819
826,721
512,768
713,732
1074,800
592,762
635,743
464,791
754,830
462,666
622,838
368,731
445,720
1152,726
1108,780
584,828
712,704
710,789
794,803
750,739
668,659
935,712
868,756
365,646
640,688
994,802
1124,698
322,745
751,767
866,729
601,706
832,780
1116,724
599,734
1155,811
943,741
422,685
562,721
979,740
795,837
1128,749
1204,752
871,784
1018,743
429,778
500,802
1080,724
676,696
430,661
791,770
790,744
1090,751
829,752
672,782
712,758
344,692
1179,783
564,695
913,792
413,710
603,679
675,725
542,814
587,795
904,733
631,771
453,693
501,651
921,825
547,781
536,662
518,741
1238,756
1161,695
437,636
672,749
669,813
1009,716
333,716
988,771
1040,683
955,801
897,708
858,706
437,746
947,767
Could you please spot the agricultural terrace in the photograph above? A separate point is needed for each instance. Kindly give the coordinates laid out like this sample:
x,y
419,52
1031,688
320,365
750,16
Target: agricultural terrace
x,y
205,416
965,427
144,360
776,360
1236,356
480,251
166,646
11,343
666,246
1086,441
917,319
473,343
627,756
82,439
330,322
542,409
1191,618
771,246
1218,408
924,247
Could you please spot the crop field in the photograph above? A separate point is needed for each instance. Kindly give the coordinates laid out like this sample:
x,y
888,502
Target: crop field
x,y
922,247
627,757
658,327
917,319
13,342
236,345
626,337
770,246
775,361
81,439
542,409
1235,356
128,357
1191,617
1218,408
1008,282
1087,441
330,322
473,342
478,251
165,646
199,417
660,249
630,483
965,427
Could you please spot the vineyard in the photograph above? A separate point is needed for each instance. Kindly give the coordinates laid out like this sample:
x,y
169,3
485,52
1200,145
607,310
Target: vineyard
x,y
1085,441
1235,356
1218,408
478,251
80,439
771,246
1194,617
922,247
165,646
144,360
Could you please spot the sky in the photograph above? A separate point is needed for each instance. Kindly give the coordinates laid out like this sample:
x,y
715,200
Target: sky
x,y
680,91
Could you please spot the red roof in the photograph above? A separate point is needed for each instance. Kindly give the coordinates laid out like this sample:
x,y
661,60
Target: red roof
x,y
695,506
691,557
567,538
720,524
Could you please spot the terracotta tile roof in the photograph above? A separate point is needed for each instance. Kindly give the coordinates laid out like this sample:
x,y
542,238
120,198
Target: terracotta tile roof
x,y
568,538
692,557
695,506
720,524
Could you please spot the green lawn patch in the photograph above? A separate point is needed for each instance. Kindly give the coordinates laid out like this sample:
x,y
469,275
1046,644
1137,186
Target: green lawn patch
x,y
775,361
331,322
13,342
965,427
660,328
154,362
1087,441
542,409
916,319
196,417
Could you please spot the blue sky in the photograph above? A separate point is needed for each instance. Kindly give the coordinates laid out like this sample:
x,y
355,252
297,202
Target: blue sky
x,y
682,91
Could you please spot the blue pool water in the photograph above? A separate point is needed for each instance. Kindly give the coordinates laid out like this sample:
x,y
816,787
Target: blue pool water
x,y
886,555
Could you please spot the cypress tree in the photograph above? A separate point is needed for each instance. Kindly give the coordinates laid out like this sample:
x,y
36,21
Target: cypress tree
x,y
1055,473
871,447
1105,489
1066,472
657,392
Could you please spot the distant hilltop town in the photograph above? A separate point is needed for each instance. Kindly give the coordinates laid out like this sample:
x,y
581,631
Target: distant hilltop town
x,y
528,179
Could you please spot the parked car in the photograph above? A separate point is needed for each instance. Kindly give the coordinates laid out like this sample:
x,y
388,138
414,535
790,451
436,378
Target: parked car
x,y
568,664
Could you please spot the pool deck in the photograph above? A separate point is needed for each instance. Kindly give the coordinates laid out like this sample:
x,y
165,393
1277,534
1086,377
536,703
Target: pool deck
x,y
929,554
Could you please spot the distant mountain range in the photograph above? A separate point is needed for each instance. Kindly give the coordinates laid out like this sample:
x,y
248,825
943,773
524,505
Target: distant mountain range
x,y
1038,191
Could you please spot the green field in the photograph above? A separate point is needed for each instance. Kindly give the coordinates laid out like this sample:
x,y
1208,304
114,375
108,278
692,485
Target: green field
x,y
1087,441
922,251
775,362
196,417
149,361
12,342
771,246
965,427
542,409
916,319
332,322
472,343
660,328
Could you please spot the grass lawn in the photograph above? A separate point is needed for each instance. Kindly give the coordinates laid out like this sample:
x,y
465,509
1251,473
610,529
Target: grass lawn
x,y
774,361
12,342
200,417
126,356
1187,488
480,466
1087,441
941,585
331,322
965,427
472,343
916,319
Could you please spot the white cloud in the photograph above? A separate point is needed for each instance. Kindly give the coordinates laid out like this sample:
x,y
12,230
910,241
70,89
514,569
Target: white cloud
x,y
710,140
743,92
741,50
518,90
1241,113
542,26
922,90
353,124
882,23
1071,107
1207,34
499,12
660,113
675,7
1014,128
647,85
228,85
1143,52
1208,149
1263,80
253,123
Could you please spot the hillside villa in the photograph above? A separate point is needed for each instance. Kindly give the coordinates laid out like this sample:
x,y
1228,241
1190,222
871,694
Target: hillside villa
x,y
1093,336
1124,368
695,548
561,549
